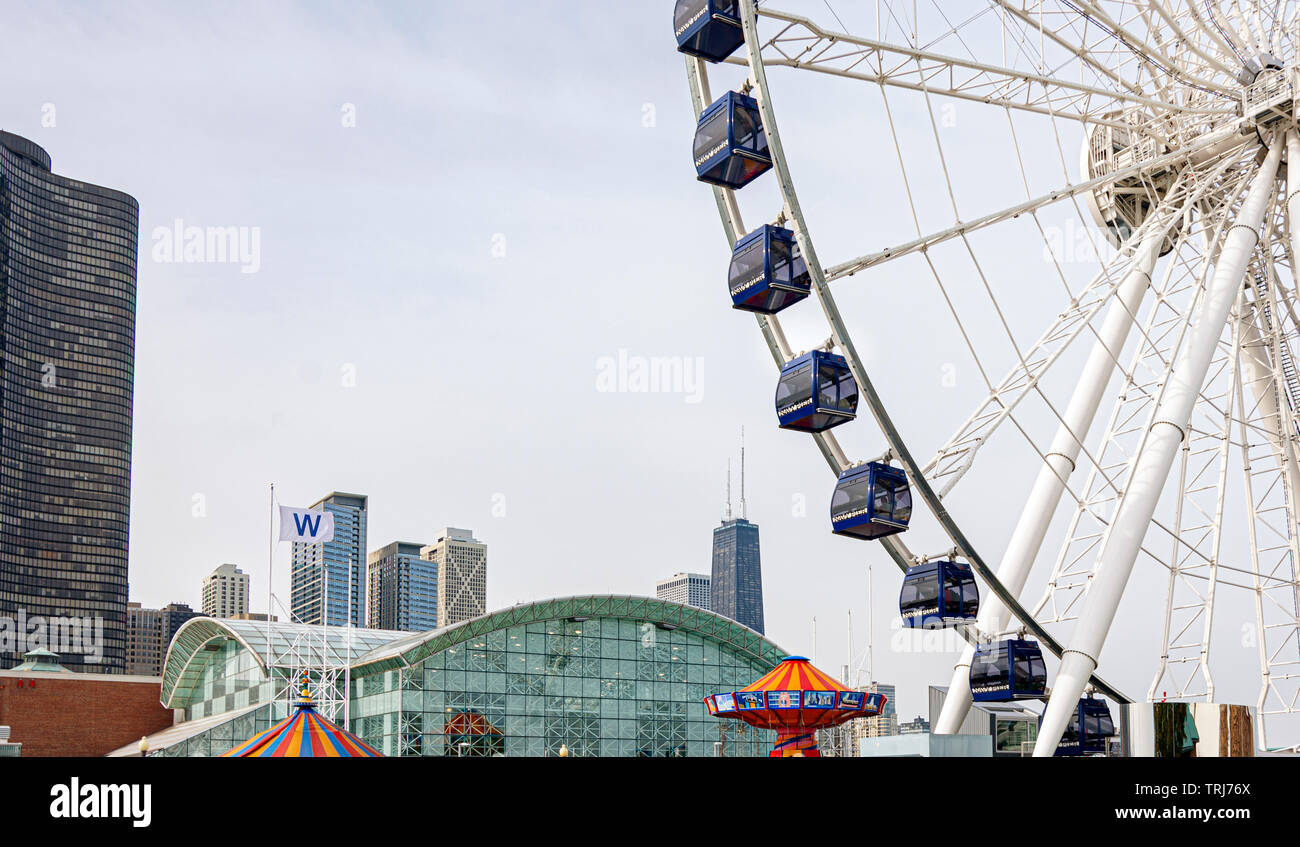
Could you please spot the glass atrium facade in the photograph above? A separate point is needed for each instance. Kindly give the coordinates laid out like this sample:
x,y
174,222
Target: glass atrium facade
x,y
598,675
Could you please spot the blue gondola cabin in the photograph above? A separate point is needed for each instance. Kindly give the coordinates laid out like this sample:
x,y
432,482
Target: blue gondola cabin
x,y
871,501
1088,732
709,29
816,392
767,271
938,594
730,144
1010,669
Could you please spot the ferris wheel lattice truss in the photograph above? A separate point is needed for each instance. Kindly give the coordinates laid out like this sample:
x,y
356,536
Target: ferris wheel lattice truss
x,y
1190,149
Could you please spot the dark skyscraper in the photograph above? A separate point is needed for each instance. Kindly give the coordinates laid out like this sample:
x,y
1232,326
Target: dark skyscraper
x,y
67,330
737,591
737,578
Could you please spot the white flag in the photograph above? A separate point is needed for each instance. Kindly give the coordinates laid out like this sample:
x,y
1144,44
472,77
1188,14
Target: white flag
x,y
305,525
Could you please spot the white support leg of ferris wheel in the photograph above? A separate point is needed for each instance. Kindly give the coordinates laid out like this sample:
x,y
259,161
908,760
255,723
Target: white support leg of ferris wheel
x,y
1259,376
1060,463
1150,467
1274,547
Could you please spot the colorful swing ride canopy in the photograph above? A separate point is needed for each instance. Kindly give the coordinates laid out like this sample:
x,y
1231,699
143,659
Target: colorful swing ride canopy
x,y
305,734
795,695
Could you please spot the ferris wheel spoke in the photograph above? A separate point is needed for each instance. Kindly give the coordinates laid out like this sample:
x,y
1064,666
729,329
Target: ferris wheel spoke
x,y
955,458
1129,267
1210,29
1188,36
1149,52
1075,45
802,44
921,244
1248,25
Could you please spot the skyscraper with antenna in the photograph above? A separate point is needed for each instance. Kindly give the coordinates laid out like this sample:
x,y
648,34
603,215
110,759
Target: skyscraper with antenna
x,y
737,575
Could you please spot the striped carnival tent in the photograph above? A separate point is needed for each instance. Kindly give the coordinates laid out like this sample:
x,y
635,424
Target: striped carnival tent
x,y
303,734
795,699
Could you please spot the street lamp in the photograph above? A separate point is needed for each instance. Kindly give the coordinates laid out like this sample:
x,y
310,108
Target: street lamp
x,y
144,746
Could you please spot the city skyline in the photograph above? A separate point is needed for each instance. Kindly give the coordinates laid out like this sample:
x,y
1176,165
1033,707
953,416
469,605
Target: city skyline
x,y
407,593
198,510
298,353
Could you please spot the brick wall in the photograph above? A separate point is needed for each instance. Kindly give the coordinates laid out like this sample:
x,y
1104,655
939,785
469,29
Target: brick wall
x,y
56,714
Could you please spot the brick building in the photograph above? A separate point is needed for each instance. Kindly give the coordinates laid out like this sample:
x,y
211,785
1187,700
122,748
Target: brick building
x,y
54,712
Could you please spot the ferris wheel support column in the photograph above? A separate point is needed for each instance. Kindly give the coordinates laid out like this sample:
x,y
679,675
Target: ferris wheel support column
x,y
1258,373
1060,460
1150,468
1275,398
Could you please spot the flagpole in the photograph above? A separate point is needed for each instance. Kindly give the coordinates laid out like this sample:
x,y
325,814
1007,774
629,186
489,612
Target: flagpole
x,y
324,619
347,654
270,594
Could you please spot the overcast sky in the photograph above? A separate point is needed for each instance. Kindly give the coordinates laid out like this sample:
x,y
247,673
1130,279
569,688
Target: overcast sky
x,y
463,213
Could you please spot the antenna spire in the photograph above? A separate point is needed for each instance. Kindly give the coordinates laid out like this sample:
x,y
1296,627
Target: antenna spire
x,y
728,512
743,513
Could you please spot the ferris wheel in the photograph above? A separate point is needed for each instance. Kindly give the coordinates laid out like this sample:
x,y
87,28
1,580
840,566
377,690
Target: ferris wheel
x,y
1159,398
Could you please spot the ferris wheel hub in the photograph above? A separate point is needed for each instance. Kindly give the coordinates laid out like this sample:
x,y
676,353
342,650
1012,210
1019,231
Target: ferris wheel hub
x,y
1122,205
1268,100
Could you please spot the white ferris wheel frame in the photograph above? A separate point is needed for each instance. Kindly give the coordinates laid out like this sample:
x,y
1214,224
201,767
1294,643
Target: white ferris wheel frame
x,y
1161,426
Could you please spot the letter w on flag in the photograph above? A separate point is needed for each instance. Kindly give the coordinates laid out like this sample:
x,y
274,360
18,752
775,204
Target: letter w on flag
x,y
305,525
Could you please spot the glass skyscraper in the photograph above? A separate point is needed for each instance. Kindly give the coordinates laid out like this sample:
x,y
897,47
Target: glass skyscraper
x,y
737,578
403,589
337,566
68,254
